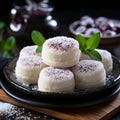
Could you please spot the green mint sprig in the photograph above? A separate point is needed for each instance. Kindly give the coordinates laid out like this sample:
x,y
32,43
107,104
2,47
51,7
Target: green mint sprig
x,y
38,39
88,46
2,25
7,47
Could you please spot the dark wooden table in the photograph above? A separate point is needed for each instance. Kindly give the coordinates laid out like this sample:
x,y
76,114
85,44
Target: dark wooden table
x,y
11,109
14,112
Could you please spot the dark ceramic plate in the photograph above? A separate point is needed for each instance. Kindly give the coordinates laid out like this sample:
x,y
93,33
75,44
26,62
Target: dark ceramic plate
x,y
20,96
30,94
29,99
113,79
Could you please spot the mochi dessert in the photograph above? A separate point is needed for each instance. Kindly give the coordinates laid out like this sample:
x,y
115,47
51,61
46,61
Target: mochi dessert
x,y
61,52
106,59
56,80
27,69
89,74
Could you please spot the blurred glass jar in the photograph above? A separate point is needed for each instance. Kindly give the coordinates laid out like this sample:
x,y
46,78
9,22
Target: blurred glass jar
x,y
33,15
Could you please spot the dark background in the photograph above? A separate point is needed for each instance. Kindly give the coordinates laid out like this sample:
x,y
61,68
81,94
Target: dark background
x,y
68,10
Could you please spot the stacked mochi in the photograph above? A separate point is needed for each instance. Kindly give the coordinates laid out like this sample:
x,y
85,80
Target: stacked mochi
x,y
29,65
59,53
61,66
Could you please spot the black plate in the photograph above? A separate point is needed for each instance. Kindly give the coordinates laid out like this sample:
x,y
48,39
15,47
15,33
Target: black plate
x,y
31,100
30,94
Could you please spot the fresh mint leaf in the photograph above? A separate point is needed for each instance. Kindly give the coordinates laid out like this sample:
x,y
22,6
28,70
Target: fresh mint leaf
x,y
88,46
11,42
6,54
82,42
2,43
2,25
93,54
93,41
38,38
39,49
7,47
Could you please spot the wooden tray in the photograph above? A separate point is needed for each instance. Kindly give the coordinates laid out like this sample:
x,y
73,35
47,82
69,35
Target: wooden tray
x,y
102,111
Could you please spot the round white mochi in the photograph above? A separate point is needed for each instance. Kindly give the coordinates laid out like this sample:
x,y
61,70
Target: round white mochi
x,y
56,80
89,74
61,52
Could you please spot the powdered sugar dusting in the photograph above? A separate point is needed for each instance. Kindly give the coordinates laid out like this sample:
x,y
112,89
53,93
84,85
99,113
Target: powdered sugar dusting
x,y
87,66
30,62
12,112
56,73
29,51
5,107
61,43
104,53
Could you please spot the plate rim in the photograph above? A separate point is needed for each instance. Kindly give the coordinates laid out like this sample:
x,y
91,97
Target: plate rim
x,y
14,93
19,86
24,98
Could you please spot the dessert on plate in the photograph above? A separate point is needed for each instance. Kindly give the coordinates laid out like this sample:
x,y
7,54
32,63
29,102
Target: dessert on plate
x,y
28,65
106,59
61,51
29,51
89,74
62,65
56,80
